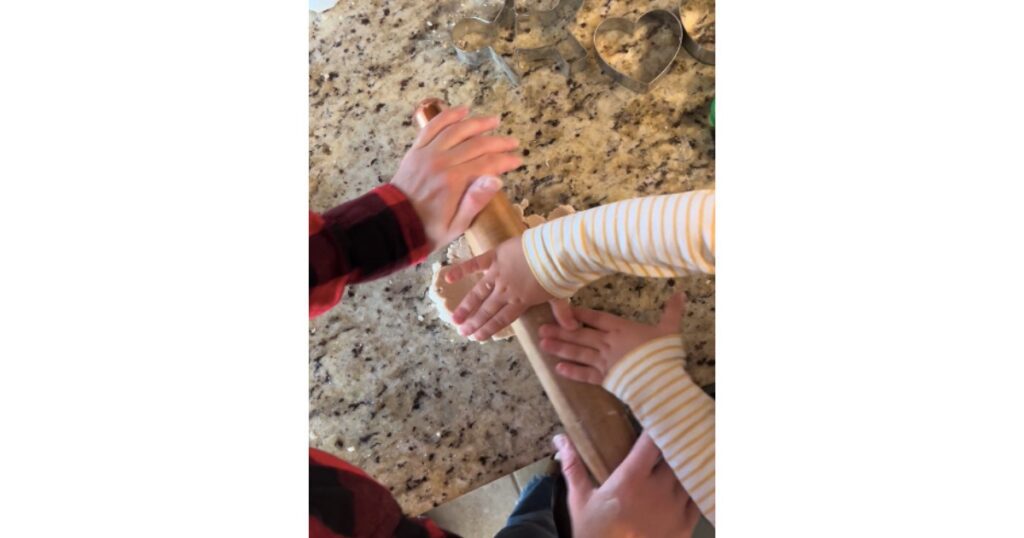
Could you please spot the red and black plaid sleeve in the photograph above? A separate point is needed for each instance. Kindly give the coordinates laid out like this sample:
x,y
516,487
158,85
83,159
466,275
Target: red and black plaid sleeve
x,y
363,239
366,238
345,502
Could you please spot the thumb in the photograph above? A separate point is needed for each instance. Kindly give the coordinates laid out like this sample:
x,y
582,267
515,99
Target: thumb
x,y
476,264
573,470
480,192
675,309
638,463
563,314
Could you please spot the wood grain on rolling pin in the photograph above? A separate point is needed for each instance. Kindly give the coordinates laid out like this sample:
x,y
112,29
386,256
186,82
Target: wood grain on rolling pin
x,y
596,421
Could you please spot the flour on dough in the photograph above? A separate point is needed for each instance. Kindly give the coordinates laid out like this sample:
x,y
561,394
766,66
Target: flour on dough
x,y
446,297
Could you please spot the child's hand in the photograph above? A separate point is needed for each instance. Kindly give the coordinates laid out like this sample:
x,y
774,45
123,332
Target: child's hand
x,y
450,172
591,351
507,289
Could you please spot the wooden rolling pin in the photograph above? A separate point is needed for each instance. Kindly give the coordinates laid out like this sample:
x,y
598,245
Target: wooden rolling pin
x,y
595,420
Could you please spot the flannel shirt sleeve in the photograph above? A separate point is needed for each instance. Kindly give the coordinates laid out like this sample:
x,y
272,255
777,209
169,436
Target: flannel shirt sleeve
x,y
360,240
345,502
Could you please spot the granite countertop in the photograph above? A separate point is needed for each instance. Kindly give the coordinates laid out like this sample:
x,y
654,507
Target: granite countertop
x,y
393,389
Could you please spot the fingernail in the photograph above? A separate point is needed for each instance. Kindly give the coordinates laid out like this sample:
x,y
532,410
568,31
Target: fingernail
x,y
489,183
559,441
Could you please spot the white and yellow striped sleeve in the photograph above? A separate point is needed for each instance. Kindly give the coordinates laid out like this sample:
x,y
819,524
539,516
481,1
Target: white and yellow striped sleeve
x,y
655,236
674,411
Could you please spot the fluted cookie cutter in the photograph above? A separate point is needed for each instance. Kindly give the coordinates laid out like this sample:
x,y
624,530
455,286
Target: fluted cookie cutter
x,y
566,52
618,24
699,53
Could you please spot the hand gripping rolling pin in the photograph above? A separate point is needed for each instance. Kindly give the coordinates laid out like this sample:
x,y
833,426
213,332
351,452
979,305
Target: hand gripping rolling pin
x,y
596,421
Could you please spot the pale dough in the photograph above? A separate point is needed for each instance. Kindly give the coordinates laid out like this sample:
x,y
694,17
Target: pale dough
x,y
446,297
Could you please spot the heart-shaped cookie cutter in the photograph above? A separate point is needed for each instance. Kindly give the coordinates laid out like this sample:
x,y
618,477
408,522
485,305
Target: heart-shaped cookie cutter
x,y
566,53
619,24
699,53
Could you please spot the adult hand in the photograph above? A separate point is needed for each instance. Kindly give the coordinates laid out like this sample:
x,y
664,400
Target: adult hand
x,y
591,351
450,172
507,289
641,499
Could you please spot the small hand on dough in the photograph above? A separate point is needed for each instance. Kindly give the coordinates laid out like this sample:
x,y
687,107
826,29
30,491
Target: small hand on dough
x,y
589,353
506,290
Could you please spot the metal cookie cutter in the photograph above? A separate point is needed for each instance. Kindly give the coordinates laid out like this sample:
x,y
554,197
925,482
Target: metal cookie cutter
x,y
567,53
618,24
699,53
504,20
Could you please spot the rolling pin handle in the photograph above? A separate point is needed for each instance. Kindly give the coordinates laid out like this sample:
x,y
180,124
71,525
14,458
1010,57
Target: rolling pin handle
x,y
427,109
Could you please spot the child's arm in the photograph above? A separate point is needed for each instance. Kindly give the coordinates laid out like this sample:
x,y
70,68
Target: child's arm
x,y
643,366
660,236
654,236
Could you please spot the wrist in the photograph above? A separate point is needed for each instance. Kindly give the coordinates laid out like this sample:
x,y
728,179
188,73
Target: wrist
x,y
643,363
542,272
413,232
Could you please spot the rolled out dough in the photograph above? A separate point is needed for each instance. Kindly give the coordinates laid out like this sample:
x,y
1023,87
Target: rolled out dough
x,y
446,297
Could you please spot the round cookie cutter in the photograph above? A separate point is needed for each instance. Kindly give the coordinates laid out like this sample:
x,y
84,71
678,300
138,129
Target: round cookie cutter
x,y
488,29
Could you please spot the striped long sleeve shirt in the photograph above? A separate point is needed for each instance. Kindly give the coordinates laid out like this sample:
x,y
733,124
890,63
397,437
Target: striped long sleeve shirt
x,y
655,236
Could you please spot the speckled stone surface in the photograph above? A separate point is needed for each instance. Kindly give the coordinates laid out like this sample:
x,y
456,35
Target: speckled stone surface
x,y
393,389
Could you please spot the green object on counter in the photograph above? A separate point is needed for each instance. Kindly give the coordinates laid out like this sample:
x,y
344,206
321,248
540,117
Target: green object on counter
x,y
712,115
